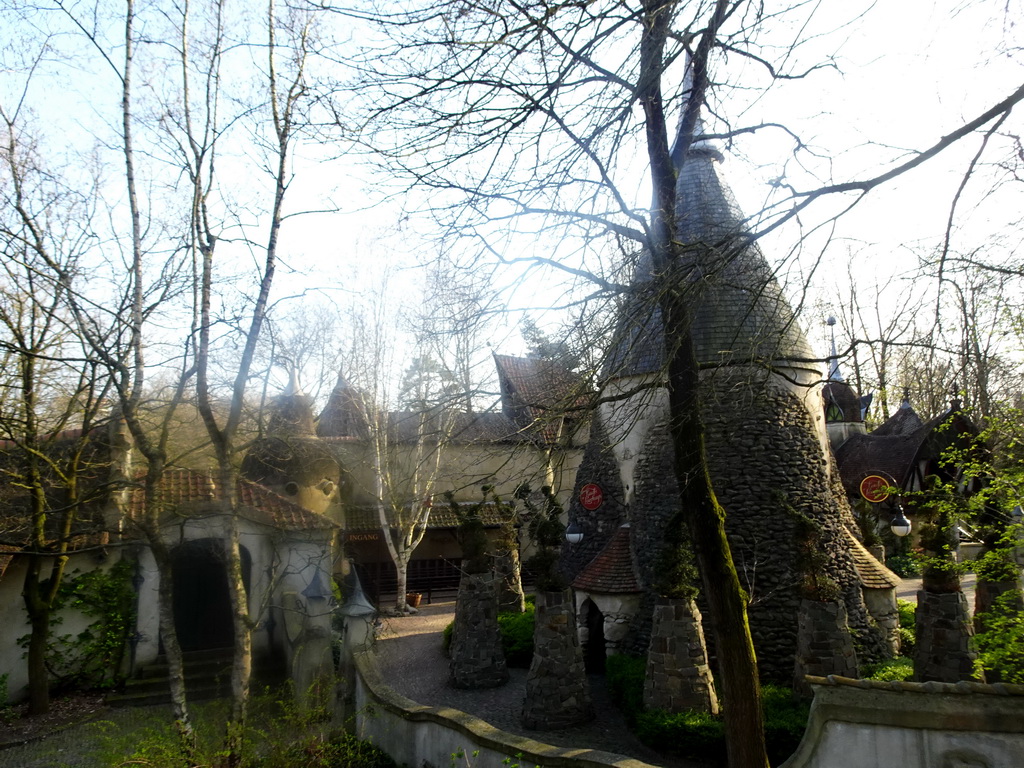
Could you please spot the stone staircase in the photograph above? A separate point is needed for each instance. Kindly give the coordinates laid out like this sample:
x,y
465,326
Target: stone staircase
x,y
207,676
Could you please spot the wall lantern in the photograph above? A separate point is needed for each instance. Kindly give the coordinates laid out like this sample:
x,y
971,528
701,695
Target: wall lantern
x,y
900,525
574,533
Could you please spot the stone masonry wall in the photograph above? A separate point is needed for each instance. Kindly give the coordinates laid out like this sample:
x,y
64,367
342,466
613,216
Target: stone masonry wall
x,y
824,646
767,468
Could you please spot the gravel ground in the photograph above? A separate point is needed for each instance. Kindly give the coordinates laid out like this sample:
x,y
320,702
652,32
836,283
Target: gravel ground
x,y
413,664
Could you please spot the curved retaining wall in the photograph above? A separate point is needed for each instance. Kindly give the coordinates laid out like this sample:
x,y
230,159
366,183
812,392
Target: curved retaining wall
x,y
866,724
428,737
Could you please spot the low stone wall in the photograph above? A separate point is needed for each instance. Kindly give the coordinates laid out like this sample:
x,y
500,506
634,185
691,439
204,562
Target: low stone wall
x,y
866,724
427,737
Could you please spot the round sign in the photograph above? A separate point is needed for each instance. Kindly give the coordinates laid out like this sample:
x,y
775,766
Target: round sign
x,y
591,496
875,488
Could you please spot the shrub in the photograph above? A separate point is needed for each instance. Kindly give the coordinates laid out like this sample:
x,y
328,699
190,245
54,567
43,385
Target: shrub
x,y
1000,642
625,676
692,735
900,668
908,641
697,735
785,720
446,637
996,566
908,614
907,565
340,751
517,636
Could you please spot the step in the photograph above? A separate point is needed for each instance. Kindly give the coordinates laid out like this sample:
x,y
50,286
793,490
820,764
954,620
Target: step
x,y
207,676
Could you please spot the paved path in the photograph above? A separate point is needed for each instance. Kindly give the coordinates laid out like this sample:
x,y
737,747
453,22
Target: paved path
x,y
908,589
413,664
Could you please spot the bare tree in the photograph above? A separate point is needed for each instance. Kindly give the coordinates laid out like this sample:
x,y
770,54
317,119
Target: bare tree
x,y
536,114
59,449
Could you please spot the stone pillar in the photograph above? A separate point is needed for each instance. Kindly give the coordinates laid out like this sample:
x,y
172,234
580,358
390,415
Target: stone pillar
x,y
824,645
557,693
882,607
942,649
678,676
477,659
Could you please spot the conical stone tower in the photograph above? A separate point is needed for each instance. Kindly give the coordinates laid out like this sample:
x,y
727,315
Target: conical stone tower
x,y
761,405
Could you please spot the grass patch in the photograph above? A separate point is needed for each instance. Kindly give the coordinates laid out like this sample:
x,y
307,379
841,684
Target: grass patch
x,y
900,668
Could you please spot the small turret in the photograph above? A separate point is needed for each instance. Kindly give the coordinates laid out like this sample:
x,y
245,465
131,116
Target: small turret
x,y
291,460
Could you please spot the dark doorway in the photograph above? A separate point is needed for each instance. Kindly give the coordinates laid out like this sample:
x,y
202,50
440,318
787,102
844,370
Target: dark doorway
x,y
594,653
202,605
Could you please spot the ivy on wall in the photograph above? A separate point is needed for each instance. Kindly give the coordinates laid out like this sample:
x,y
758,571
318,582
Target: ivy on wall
x,y
92,658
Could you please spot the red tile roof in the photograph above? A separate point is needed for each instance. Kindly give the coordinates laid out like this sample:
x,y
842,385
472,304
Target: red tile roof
x,y
537,394
611,572
183,490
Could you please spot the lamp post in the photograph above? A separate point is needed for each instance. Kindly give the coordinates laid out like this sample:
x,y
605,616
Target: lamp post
x,y
900,525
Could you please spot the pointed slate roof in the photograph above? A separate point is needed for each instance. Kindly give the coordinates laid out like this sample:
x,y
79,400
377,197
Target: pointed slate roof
x,y
740,313
611,571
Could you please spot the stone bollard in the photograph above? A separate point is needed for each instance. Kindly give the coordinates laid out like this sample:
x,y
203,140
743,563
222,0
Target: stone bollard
x,y
557,693
824,643
942,648
678,676
477,659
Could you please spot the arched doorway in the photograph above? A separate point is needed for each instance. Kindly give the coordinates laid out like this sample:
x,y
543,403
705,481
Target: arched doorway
x,y
202,605
594,654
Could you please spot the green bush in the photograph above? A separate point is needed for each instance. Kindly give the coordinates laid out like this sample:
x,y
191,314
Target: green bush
x,y
908,641
906,565
517,636
446,637
996,566
692,735
625,677
908,614
1000,642
900,668
785,720
697,735
340,751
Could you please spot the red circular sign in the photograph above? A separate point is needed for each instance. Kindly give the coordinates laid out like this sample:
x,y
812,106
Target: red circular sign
x,y
591,496
875,488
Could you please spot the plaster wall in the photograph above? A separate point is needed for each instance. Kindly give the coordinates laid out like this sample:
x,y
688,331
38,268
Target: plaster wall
x,y
278,564
628,422
464,468
862,724
428,737
14,621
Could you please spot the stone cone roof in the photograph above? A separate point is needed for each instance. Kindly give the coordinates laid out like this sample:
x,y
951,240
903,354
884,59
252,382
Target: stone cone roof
x,y
611,572
740,312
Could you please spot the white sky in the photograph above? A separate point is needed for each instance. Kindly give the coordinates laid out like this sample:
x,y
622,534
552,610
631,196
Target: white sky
x,y
912,71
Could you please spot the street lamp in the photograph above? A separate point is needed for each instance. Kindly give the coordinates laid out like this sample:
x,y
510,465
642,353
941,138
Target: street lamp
x,y
900,526
574,533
